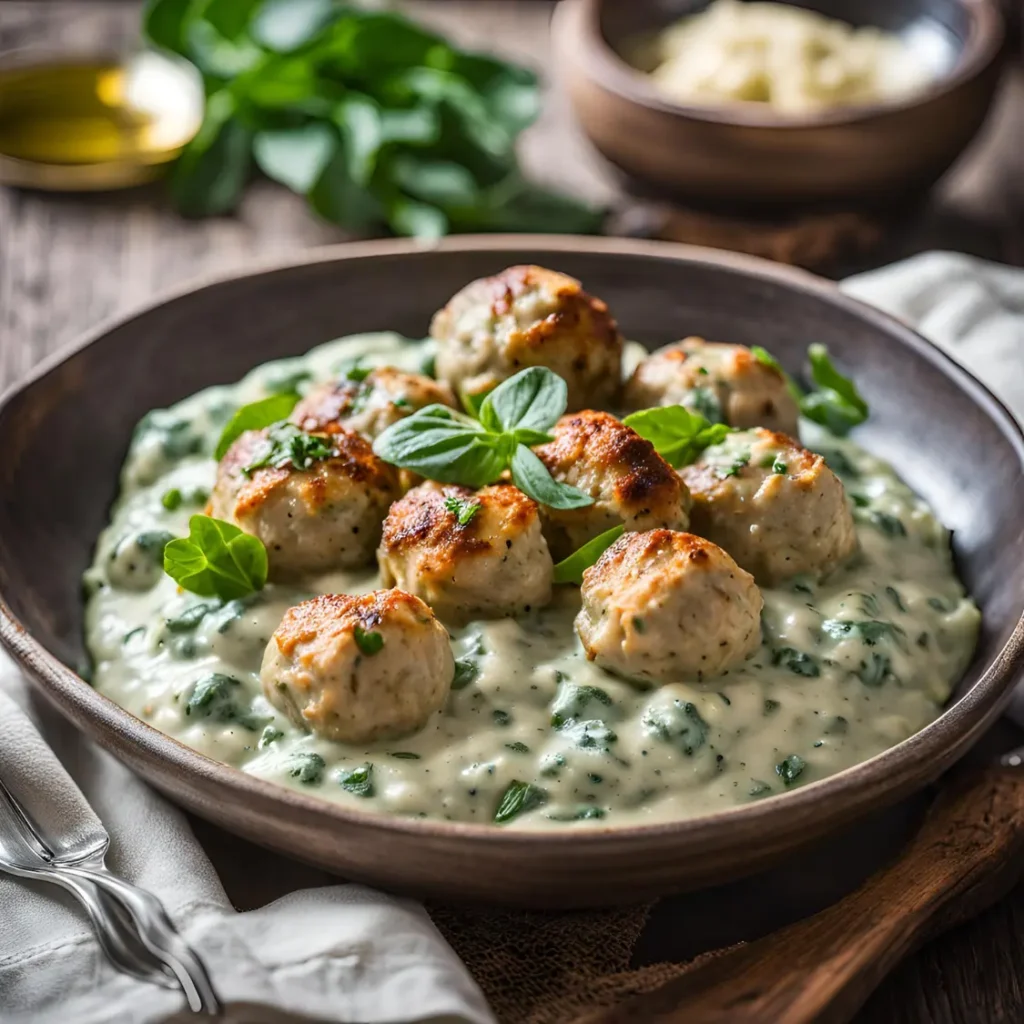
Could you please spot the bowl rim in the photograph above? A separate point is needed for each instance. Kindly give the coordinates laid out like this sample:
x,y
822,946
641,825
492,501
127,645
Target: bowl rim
x,y
576,31
855,789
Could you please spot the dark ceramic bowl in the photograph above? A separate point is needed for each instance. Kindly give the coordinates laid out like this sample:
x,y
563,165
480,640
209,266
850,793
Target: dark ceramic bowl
x,y
748,155
66,430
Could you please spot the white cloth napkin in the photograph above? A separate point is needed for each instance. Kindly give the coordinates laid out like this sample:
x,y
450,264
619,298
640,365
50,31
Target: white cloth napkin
x,y
346,953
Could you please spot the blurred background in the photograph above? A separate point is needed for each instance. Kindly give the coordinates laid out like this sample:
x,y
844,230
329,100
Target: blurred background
x,y
69,258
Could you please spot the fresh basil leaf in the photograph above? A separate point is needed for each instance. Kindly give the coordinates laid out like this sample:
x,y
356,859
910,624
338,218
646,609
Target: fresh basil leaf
x,y
836,404
296,157
217,38
359,118
163,24
462,508
255,416
417,126
441,445
339,198
570,570
213,169
285,25
442,183
417,220
472,403
368,642
216,560
518,798
533,399
531,476
510,92
677,434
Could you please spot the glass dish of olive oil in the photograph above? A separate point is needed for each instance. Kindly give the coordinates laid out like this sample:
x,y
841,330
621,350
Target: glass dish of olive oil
x,y
94,122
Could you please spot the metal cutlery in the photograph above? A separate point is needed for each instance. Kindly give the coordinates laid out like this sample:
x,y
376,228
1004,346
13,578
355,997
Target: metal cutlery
x,y
48,831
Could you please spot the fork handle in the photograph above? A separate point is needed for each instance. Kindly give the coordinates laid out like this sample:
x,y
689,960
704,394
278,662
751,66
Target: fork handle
x,y
157,933
118,942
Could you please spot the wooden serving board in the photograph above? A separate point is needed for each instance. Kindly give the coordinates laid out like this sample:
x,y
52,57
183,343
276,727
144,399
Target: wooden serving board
x,y
967,853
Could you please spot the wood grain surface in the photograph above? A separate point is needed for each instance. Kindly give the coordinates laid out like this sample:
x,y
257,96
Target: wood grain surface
x,y
66,263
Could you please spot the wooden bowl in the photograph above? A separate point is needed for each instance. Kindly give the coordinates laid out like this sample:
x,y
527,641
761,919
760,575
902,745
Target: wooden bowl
x,y
747,155
67,427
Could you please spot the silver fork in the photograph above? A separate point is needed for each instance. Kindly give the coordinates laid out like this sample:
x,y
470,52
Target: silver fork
x,y
79,859
21,855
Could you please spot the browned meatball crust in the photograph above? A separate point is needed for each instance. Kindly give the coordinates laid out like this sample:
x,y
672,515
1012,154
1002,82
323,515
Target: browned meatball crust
x,y
493,564
325,517
631,484
529,316
725,383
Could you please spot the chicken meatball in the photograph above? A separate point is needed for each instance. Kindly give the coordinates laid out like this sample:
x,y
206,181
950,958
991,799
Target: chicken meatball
x,y
356,669
663,606
631,484
529,316
467,553
324,516
772,504
370,404
724,383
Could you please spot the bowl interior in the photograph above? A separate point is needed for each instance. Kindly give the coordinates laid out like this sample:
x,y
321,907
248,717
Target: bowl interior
x,y
937,30
67,430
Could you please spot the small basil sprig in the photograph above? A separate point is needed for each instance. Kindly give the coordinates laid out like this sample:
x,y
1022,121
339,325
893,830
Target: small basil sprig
x,y
255,416
454,448
216,560
570,570
835,403
677,434
285,444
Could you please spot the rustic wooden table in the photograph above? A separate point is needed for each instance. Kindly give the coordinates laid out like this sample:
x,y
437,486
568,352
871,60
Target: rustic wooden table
x,y
68,262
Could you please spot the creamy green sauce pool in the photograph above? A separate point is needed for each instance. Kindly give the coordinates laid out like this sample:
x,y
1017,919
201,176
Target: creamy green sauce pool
x,y
846,668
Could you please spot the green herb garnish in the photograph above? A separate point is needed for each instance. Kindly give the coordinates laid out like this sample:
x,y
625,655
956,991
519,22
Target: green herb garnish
x,y
462,508
368,642
171,499
308,768
216,560
286,445
868,630
873,671
517,747
189,618
677,434
790,768
214,697
797,661
444,445
679,723
255,416
466,667
376,120
572,701
835,403
501,718
518,798
358,781
706,404
571,569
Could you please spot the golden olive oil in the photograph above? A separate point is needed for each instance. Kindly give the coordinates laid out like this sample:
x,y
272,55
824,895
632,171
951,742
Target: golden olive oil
x,y
97,122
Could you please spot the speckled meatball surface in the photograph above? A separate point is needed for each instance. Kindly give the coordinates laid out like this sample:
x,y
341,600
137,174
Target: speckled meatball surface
x,y
368,404
772,504
661,606
357,669
529,316
467,553
326,516
724,383
631,484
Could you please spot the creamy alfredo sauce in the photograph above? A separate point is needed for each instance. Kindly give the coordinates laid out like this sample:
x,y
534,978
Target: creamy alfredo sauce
x,y
846,669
